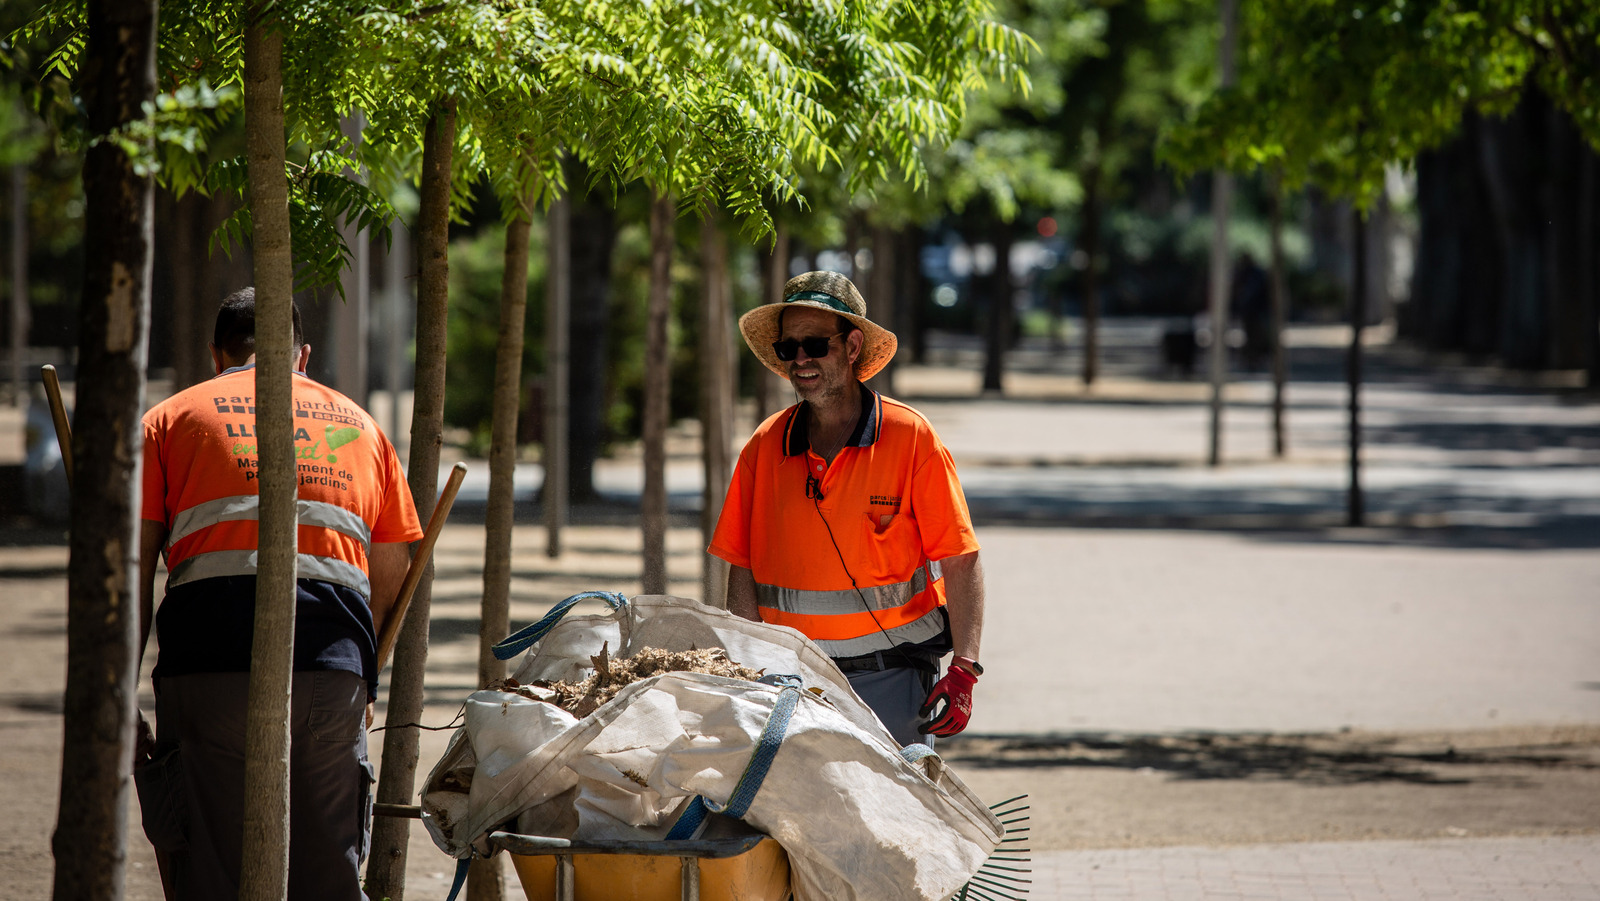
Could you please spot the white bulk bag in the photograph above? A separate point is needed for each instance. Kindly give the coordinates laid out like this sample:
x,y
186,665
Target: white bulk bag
x,y
858,817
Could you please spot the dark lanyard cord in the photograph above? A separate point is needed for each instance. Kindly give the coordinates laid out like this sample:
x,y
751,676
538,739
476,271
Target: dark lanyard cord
x,y
814,492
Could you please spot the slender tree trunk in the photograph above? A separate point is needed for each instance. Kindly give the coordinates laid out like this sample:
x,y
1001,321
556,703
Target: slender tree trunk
x,y
19,282
1000,308
915,314
1356,514
1589,259
881,297
775,272
1280,300
221,273
1221,203
91,837
349,318
716,399
386,870
1091,275
398,300
486,879
558,312
188,342
1504,153
852,243
264,871
593,232
657,384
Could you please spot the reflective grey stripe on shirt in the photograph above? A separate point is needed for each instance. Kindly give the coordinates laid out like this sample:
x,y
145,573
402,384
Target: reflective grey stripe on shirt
x,y
833,603
247,507
924,628
878,597
243,563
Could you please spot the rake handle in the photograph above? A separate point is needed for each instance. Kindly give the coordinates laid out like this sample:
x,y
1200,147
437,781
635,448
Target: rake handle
x,y
58,413
419,562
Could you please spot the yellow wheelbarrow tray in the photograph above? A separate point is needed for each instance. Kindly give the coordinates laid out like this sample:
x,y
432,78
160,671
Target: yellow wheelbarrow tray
x,y
740,868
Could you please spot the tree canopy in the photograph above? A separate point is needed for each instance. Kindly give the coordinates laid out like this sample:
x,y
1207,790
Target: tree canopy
x,y
714,102
1332,92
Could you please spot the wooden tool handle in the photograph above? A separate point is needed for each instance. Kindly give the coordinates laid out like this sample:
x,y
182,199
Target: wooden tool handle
x,y
419,562
58,412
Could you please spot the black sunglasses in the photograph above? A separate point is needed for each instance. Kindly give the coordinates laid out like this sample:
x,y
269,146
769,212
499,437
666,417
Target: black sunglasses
x,y
789,348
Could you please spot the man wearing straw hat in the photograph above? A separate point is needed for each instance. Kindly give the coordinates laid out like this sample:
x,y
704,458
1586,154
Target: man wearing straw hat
x,y
356,519
845,520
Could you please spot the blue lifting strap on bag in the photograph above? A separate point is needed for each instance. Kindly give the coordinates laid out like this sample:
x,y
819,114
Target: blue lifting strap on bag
x,y
521,640
461,878
755,771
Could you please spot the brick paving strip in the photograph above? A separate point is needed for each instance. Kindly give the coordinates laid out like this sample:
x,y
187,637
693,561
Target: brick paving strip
x,y
1564,868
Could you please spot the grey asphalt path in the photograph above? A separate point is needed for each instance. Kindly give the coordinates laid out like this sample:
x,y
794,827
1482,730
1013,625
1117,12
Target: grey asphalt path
x,y
1158,631
1133,589
1481,869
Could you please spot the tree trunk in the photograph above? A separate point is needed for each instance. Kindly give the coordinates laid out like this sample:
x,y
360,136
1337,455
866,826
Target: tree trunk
x,y
1356,513
264,871
1436,283
852,243
716,399
91,838
349,318
386,870
1589,260
1508,172
397,325
1000,308
498,517
558,310
185,331
1221,203
775,272
19,282
1280,302
1560,201
221,273
486,877
881,297
1090,245
915,312
657,384
592,236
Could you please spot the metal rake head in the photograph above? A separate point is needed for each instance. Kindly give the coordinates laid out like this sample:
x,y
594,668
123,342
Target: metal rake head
x,y
998,879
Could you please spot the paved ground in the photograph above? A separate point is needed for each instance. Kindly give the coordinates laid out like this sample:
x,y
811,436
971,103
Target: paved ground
x,y
1188,666
1494,869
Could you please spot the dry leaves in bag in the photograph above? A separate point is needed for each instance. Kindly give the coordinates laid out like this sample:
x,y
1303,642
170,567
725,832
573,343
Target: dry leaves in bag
x,y
611,676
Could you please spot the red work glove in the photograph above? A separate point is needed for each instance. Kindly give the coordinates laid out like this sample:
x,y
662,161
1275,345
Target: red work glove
x,y
955,689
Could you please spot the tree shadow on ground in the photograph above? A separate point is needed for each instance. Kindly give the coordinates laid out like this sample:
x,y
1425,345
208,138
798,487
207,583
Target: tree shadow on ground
x,y
1323,760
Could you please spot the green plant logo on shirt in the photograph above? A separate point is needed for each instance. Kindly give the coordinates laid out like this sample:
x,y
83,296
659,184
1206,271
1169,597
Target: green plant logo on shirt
x,y
337,437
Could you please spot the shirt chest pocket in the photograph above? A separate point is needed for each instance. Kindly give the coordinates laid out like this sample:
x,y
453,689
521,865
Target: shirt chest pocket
x,y
891,544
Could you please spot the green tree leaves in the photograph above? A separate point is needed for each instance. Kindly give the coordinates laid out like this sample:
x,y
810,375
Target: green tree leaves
x,y
732,103
1333,92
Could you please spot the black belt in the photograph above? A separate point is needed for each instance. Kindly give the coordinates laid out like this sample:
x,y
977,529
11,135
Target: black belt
x,y
878,661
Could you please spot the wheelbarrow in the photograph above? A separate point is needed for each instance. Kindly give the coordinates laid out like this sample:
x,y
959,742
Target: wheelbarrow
x,y
739,868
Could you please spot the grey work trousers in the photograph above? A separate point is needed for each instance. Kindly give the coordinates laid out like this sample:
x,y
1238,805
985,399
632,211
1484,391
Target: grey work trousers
x,y
193,796
896,695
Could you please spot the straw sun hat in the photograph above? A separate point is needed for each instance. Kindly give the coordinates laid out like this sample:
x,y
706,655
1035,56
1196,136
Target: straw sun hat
x,y
831,293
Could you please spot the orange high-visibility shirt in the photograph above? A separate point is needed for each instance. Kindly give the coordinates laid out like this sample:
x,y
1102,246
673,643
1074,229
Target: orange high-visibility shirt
x,y
200,481
891,507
